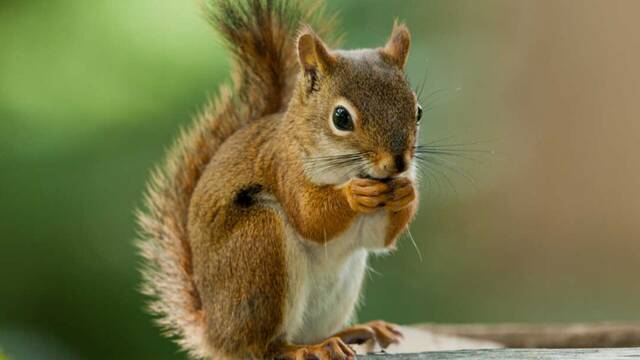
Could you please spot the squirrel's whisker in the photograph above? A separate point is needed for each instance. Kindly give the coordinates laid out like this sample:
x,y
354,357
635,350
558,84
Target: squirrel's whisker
x,y
426,170
444,153
453,148
438,140
447,164
438,168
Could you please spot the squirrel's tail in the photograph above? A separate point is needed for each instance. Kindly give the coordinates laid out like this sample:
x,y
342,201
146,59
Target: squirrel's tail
x,y
261,36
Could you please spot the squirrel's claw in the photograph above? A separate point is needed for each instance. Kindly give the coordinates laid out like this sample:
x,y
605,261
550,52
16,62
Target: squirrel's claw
x,y
366,195
403,194
386,333
382,332
331,349
369,195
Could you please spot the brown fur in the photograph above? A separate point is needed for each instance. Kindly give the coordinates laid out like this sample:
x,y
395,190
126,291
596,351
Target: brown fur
x,y
213,234
256,91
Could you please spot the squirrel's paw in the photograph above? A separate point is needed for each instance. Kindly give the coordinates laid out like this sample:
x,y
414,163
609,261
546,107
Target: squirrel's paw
x,y
382,332
331,349
403,193
366,195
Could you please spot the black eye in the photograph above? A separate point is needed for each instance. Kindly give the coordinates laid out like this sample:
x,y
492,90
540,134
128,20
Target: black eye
x,y
342,119
419,115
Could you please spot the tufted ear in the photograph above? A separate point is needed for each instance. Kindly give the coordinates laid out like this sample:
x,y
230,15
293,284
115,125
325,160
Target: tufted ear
x,y
396,50
313,53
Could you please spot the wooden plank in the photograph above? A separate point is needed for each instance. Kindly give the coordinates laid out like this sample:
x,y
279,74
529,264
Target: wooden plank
x,y
487,341
416,340
515,354
580,335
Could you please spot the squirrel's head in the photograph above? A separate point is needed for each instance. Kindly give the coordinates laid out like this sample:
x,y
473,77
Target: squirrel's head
x,y
357,108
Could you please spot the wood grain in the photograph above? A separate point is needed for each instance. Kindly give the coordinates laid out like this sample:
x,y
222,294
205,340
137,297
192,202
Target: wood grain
x,y
509,354
580,335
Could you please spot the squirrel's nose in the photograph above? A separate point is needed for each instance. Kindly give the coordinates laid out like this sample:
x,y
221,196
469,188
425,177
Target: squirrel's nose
x,y
401,164
393,164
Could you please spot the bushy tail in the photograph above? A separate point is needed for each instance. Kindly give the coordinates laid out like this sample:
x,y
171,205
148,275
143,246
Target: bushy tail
x,y
261,36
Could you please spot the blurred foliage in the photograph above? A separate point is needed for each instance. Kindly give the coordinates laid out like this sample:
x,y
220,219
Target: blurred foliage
x,y
91,95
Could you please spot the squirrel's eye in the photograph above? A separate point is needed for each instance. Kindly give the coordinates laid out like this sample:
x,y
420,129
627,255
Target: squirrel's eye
x,y
342,119
419,114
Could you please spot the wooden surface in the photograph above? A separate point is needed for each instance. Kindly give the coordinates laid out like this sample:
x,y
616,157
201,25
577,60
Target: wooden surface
x,y
581,335
498,341
416,340
515,354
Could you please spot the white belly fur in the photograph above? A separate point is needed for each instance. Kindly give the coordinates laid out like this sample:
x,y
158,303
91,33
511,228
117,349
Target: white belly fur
x,y
325,280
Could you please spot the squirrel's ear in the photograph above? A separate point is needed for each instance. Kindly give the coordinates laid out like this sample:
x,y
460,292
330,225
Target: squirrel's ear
x,y
313,53
397,48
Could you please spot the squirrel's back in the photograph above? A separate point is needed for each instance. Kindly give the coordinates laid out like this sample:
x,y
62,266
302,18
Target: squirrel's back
x,y
260,34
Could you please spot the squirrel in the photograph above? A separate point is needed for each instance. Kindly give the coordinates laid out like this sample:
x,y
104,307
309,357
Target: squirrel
x,y
256,230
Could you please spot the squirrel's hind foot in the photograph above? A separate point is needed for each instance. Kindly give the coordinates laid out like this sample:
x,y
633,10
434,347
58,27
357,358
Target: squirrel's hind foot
x,y
331,349
380,332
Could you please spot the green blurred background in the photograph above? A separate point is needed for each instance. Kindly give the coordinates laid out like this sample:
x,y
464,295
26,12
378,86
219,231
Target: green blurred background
x,y
92,93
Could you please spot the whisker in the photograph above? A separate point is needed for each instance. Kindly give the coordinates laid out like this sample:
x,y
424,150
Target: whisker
x,y
373,271
449,181
437,96
435,170
338,165
455,168
477,142
334,160
351,168
437,92
342,164
415,245
337,162
453,147
428,170
445,153
438,140
454,150
326,254
424,80
334,157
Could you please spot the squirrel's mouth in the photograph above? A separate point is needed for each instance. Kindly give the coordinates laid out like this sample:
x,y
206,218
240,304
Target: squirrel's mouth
x,y
364,175
381,175
386,167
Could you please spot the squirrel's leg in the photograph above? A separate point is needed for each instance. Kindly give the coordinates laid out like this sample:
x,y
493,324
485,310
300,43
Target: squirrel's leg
x,y
240,273
382,332
322,212
398,197
401,207
333,348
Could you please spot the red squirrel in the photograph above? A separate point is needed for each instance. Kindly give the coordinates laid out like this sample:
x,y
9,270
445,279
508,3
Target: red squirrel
x,y
256,230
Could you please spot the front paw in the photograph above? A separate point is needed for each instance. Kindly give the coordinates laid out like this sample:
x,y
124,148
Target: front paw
x,y
367,195
402,194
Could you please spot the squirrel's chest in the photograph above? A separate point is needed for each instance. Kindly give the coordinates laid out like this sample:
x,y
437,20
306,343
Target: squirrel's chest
x,y
325,280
